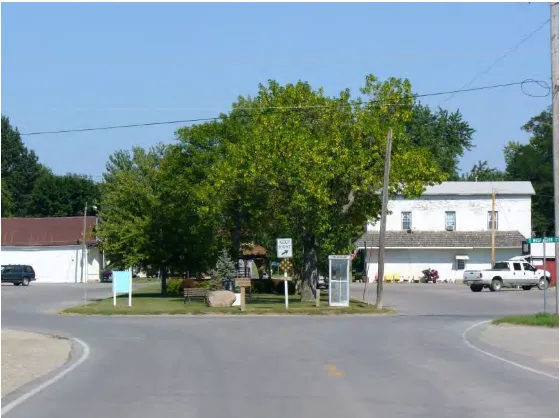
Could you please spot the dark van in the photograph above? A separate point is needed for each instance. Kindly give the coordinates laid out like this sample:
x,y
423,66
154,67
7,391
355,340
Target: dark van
x,y
18,274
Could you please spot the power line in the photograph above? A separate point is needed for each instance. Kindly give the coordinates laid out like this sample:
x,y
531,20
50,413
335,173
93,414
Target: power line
x,y
540,83
104,128
525,39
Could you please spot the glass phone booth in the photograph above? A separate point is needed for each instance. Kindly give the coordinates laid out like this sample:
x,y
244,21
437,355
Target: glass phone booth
x,y
339,280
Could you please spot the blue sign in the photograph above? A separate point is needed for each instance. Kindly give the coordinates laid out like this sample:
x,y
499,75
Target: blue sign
x,y
122,281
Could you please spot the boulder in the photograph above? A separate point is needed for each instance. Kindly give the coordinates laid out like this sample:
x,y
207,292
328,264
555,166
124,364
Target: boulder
x,y
221,299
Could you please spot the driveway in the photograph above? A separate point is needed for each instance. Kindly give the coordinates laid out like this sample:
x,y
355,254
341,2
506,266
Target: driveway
x,y
414,364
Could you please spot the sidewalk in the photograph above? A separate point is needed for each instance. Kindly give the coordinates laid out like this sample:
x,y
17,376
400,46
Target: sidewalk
x,y
537,343
27,356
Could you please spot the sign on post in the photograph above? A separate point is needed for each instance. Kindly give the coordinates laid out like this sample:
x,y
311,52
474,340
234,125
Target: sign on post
x,y
287,267
284,247
242,282
122,283
543,240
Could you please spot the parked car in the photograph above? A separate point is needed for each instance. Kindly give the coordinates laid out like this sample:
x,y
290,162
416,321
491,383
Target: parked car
x,y
322,282
18,274
509,273
106,276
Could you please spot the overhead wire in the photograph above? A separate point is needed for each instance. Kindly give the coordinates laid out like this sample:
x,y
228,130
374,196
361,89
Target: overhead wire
x,y
544,85
510,51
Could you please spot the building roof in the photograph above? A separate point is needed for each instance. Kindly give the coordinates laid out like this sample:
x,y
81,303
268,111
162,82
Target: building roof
x,y
480,188
43,232
442,239
252,250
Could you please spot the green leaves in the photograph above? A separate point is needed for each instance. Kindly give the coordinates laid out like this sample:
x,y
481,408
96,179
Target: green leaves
x,y
150,211
31,189
315,162
533,162
287,162
20,169
481,171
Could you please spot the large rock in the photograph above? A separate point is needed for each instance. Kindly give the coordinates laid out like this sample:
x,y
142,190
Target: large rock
x,y
221,299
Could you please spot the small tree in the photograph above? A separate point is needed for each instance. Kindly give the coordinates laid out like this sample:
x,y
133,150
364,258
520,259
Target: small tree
x,y
225,268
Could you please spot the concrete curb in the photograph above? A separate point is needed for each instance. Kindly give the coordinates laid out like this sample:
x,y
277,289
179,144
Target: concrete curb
x,y
476,327
79,353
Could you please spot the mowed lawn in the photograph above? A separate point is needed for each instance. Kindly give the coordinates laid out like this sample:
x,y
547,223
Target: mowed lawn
x,y
536,320
149,301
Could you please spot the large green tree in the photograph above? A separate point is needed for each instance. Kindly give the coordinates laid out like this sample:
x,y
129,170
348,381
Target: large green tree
x,y
481,171
533,162
444,133
20,170
65,195
150,214
317,162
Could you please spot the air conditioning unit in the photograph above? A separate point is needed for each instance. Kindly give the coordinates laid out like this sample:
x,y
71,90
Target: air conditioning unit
x,y
450,228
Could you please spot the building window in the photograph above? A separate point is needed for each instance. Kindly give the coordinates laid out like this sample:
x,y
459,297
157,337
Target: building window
x,y
461,264
450,221
406,218
495,220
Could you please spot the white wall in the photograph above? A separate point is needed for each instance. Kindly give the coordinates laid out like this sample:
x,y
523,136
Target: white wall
x,y
537,250
94,264
471,213
54,264
410,263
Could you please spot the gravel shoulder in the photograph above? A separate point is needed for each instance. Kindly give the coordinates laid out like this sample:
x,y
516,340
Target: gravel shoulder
x,y
27,356
537,343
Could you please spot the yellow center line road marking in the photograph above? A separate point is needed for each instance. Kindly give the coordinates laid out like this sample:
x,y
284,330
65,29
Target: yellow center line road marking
x,y
332,370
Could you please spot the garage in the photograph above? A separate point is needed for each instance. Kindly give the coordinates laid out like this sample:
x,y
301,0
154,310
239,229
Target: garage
x,y
53,247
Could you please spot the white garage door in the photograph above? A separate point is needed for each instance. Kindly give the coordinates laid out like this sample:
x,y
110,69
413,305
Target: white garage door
x,y
51,264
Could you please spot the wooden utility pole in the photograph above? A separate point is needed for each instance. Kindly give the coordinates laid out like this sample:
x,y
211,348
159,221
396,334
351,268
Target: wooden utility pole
x,y
383,224
493,220
555,148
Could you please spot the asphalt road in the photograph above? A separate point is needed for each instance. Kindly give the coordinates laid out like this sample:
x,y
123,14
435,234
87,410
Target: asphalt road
x,y
414,364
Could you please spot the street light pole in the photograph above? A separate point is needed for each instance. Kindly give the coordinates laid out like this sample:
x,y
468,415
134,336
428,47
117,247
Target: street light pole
x,y
555,149
84,255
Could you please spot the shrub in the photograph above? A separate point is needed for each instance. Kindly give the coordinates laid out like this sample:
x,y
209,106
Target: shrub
x,y
174,286
203,284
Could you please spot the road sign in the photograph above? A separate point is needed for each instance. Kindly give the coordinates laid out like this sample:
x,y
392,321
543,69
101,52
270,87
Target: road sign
x,y
284,247
542,240
286,265
243,282
122,283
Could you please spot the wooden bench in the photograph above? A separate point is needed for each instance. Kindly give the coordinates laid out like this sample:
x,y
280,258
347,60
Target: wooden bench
x,y
194,292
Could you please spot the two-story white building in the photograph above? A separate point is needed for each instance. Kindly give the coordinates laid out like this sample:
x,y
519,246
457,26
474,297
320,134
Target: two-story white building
x,y
449,229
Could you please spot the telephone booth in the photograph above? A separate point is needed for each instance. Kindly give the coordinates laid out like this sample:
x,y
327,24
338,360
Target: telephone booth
x,y
339,280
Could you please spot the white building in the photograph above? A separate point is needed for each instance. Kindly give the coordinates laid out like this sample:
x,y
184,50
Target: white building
x,y
449,229
53,247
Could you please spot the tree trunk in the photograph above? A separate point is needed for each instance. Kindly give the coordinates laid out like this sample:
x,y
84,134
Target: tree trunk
x,y
164,281
309,279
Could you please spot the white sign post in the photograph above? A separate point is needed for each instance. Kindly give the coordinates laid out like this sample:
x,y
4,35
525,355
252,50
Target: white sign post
x,y
284,247
286,288
122,283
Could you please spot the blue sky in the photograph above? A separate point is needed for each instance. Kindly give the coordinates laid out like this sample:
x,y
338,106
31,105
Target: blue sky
x,y
81,65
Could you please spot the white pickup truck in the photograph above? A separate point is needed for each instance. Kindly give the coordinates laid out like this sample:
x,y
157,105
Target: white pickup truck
x,y
509,273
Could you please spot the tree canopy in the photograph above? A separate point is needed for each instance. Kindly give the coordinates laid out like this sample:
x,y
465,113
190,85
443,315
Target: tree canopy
x,y
288,162
533,162
150,215
308,166
482,171
31,189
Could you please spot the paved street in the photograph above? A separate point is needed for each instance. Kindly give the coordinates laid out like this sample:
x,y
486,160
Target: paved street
x,y
414,364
